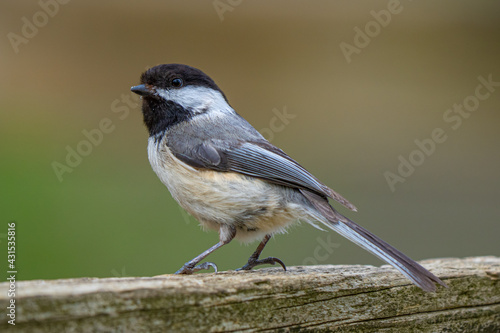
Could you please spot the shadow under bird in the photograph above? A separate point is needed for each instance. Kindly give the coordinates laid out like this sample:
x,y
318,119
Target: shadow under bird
x,y
231,179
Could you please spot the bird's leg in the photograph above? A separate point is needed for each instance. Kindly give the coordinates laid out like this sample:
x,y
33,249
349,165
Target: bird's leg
x,y
226,234
254,258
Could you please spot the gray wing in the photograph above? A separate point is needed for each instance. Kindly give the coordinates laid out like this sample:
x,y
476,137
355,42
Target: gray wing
x,y
257,159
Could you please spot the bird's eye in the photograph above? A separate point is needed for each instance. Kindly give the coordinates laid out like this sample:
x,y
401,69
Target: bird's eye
x,y
177,83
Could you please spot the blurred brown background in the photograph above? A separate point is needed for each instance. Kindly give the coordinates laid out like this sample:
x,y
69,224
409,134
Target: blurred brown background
x,y
111,216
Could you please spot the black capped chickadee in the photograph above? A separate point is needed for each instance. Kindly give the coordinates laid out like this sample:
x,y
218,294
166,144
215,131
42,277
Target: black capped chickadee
x,y
231,179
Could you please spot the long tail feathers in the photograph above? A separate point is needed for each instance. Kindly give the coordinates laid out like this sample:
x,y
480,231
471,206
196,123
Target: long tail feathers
x,y
368,241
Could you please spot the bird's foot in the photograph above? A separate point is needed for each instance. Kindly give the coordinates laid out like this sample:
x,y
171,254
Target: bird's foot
x,y
190,269
252,262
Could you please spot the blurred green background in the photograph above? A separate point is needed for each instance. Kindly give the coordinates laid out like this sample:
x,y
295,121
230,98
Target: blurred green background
x,y
111,216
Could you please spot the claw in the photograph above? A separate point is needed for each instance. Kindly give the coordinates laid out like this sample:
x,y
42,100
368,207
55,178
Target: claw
x,y
187,269
255,262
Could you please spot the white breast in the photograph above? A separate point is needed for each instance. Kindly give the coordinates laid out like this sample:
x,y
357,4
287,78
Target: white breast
x,y
255,207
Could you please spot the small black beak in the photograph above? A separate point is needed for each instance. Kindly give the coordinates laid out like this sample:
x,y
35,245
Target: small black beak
x,y
143,90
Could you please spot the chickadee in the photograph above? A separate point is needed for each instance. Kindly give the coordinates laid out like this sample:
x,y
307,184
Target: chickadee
x,y
231,179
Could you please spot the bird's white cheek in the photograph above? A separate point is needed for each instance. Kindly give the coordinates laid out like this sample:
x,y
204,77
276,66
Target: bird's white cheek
x,y
197,99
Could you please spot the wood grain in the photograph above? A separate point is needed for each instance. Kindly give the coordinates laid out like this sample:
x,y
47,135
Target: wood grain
x,y
305,298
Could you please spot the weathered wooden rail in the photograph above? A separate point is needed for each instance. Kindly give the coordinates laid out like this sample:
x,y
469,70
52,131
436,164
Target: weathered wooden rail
x,y
312,298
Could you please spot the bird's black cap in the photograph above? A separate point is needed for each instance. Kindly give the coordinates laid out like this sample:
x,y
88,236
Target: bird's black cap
x,y
162,76
160,114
